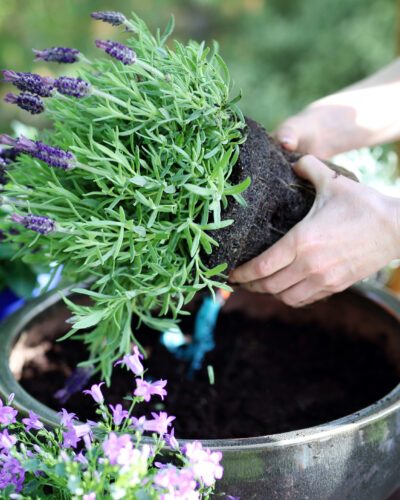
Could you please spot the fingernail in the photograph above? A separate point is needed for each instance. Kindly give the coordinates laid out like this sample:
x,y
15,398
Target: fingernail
x,y
286,137
285,140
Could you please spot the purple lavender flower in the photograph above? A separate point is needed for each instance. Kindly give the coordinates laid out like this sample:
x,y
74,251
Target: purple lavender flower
x,y
38,223
8,155
7,414
74,87
30,82
146,389
124,54
118,413
74,383
22,144
57,54
95,392
160,423
7,441
32,422
54,156
132,361
204,462
29,102
109,16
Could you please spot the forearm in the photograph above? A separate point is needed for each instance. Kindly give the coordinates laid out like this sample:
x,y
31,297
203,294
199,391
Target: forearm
x,y
372,106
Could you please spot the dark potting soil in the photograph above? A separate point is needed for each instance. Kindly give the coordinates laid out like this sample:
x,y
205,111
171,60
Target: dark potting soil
x,y
270,377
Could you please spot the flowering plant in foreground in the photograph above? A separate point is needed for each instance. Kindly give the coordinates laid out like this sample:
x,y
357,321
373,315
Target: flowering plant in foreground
x,y
127,187
107,459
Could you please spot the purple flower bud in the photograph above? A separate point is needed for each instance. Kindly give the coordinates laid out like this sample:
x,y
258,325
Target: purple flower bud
x,y
29,102
38,223
28,82
114,49
95,392
109,16
54,156
74,87
57,54
8,155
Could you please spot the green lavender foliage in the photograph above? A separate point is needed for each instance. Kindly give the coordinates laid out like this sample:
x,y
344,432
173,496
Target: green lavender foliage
x,y
155,144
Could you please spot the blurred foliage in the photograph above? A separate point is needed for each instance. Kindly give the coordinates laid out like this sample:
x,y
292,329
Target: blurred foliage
x,y
281,53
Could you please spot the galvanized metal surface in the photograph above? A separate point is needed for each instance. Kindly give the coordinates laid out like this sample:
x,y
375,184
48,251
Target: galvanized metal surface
x,y
356,457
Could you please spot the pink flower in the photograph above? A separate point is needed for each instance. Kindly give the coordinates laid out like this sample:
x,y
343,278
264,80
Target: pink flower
x,y
95,392
132,361
71,438
118,413
7,441
119,449
205,463
179,483
7,414
32,422
160,423
146,389
89,496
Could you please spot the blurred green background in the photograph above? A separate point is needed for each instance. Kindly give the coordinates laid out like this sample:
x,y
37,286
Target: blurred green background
x,y
281,53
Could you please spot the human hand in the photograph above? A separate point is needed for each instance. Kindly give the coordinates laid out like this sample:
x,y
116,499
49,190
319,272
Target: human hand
x,y
321,130
350,232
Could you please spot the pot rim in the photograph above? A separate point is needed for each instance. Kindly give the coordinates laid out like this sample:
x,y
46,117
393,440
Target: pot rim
x,y
15,323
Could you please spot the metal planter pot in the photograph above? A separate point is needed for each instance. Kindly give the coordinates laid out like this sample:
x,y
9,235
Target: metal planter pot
x,y
356,457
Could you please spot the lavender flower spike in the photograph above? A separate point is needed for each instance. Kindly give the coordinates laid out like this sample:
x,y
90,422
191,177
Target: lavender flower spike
x,y
38,223
29,102
109,16
22,144
124,54
54,156
74,87
29,82
57,54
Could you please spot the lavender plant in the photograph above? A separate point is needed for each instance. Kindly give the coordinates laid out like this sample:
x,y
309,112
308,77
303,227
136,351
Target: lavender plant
x,y
108,459
128,186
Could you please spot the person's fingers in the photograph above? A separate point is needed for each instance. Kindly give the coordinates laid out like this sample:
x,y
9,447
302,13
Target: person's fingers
x,y
288,136
277,257
281,280
314,170
314,298
299,294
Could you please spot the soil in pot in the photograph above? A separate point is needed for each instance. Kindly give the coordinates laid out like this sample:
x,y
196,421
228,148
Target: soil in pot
x,y
271,375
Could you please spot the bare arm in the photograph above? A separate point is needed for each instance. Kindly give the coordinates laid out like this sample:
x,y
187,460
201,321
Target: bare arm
x,y
364,114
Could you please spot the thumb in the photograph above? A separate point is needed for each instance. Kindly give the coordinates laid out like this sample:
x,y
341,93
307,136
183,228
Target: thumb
x,y
313,170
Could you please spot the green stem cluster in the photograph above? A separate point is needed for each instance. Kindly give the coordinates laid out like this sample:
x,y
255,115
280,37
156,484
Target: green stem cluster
x,y
155,144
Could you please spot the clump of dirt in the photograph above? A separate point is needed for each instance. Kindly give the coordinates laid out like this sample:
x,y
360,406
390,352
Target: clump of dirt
x,y
276,200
